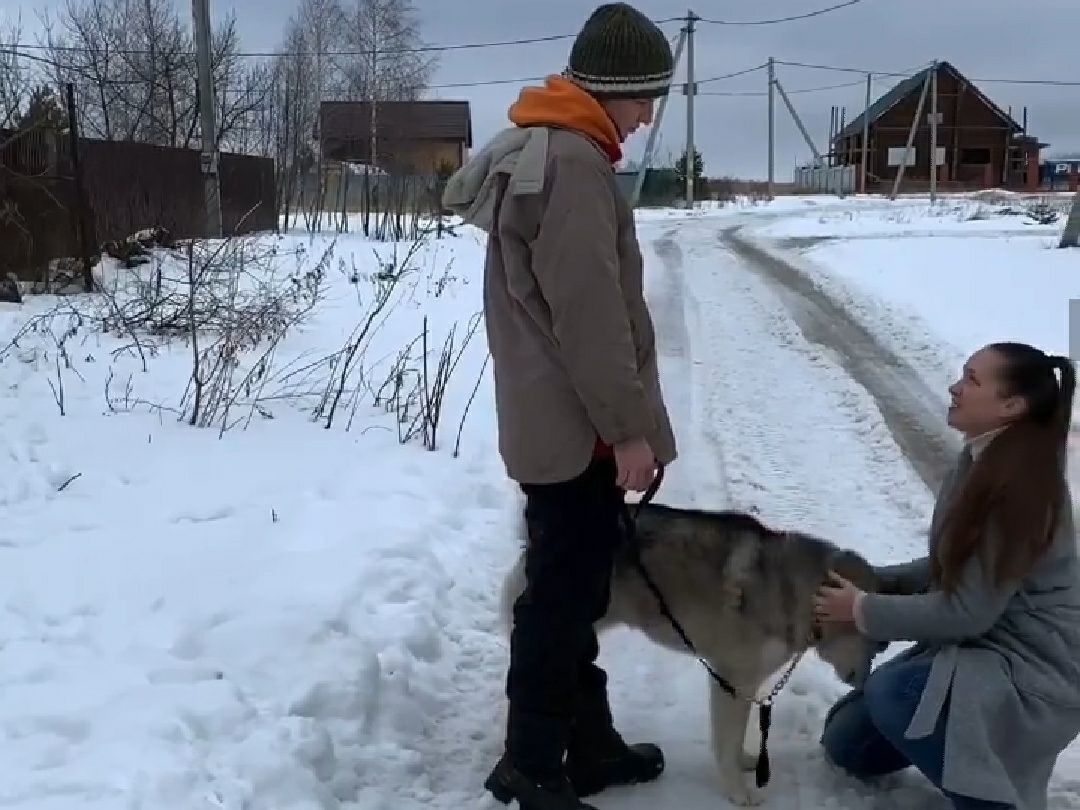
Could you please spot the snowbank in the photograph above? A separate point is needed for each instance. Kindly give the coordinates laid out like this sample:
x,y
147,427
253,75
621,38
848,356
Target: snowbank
x,y
278,614
939,282
874,217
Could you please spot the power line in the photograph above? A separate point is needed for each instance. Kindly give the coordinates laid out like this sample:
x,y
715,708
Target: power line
x,y
488,82
462,46
792,18
859,83
1046,82
482,83
743,72
1041,82
435,48
862,71
843,85
103,81
273,54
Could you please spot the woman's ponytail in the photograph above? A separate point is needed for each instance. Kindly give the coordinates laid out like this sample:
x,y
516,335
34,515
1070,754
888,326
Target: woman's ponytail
x,y
1067,388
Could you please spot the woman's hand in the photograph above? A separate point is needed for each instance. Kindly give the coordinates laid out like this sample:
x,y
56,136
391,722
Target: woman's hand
x,y
835,600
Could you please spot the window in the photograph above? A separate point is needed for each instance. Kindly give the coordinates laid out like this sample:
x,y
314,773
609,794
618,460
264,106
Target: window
x,y
896,154
975,157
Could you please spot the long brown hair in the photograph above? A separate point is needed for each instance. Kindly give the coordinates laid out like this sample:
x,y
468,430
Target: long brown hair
x,y
1018,483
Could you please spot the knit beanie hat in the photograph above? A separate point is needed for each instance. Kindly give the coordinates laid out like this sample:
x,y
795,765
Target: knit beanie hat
x,y
621,53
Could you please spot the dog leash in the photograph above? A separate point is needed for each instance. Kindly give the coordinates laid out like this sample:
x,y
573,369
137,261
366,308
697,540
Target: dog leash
x,y
762,770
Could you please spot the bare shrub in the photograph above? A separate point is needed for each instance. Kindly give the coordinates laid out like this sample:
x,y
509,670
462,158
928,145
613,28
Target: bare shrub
x,y
414,391
436,384
226,300
44,339
1042,213
347,362
236,321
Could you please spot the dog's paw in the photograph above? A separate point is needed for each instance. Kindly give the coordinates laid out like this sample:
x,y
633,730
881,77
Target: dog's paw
x,y
738,793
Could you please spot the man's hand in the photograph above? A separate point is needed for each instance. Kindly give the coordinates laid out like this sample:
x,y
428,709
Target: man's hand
x,y
636,465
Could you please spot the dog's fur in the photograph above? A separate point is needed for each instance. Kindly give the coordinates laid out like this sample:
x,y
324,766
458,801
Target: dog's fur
x,y
743,594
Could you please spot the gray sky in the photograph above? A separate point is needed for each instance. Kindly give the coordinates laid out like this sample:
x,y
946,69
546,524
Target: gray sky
x,y
984,39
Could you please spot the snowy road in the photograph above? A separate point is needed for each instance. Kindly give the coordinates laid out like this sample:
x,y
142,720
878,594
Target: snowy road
x,y
768,421
913,412
771,422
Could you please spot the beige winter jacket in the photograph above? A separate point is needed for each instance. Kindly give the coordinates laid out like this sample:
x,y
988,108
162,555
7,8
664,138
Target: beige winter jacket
x,y
571,338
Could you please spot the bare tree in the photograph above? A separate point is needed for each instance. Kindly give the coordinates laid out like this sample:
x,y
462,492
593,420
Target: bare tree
x,y
14,77
348,50
387,65
132,63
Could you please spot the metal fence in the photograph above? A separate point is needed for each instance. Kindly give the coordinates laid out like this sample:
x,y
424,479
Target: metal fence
x,y
826,179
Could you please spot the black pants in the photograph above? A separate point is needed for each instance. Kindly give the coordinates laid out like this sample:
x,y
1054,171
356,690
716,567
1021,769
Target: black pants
x,y
574,530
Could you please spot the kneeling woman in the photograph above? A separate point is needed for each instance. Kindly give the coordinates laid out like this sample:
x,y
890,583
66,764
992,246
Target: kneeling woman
x,y
989,695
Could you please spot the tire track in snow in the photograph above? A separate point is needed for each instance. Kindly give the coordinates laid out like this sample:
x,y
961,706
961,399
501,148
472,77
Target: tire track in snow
x,y
699,447
914,414
801,444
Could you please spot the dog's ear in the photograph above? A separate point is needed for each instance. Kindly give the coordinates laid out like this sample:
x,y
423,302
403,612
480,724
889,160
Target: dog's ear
x,y
888,586
852,567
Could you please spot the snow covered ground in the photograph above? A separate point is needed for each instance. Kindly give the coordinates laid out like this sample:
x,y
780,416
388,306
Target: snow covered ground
x,y
940,281
286,615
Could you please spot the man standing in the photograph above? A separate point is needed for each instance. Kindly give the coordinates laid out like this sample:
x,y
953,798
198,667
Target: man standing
x,y
581,417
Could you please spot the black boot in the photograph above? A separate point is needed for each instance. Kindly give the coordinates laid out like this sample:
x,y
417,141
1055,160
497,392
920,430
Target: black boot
x,y
597,757
507,783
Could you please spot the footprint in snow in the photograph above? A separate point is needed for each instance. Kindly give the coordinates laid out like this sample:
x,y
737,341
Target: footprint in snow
x,y
221,513
68,728
489,496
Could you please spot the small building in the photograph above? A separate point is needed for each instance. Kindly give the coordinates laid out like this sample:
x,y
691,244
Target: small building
x,y
411,137
1060,174
979,145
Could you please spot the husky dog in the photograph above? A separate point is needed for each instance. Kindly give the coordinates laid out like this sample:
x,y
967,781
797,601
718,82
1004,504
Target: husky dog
x,y
742,593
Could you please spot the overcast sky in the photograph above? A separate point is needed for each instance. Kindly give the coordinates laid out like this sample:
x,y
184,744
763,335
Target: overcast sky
x,y
984,39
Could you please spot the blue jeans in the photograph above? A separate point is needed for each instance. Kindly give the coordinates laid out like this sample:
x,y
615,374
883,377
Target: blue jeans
x,y
864,731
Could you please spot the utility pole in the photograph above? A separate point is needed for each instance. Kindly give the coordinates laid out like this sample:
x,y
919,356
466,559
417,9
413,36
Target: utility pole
x,y
772,126
1070,237
832,132
320,174
654,130
375,44
209,156
691,91
933,133
155,130
82,221
866,134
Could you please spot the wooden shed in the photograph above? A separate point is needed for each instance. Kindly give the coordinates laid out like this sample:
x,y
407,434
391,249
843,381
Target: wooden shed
x,y
411,137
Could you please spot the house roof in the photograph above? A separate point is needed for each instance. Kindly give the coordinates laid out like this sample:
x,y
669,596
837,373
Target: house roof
x,y
913,84
404,120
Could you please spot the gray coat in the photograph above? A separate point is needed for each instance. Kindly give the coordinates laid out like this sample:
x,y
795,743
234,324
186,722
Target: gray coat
x,y
1011,656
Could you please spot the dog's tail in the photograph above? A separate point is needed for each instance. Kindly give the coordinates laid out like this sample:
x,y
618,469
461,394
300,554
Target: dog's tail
x,y
514,583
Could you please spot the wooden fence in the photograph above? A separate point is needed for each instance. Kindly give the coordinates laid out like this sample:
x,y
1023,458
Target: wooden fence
x,y
127,187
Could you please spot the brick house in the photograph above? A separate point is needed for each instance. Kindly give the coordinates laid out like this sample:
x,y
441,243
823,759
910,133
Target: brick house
x,y
979,144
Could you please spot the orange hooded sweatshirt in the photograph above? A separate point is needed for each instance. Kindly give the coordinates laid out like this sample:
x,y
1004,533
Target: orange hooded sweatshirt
x,y
561,103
